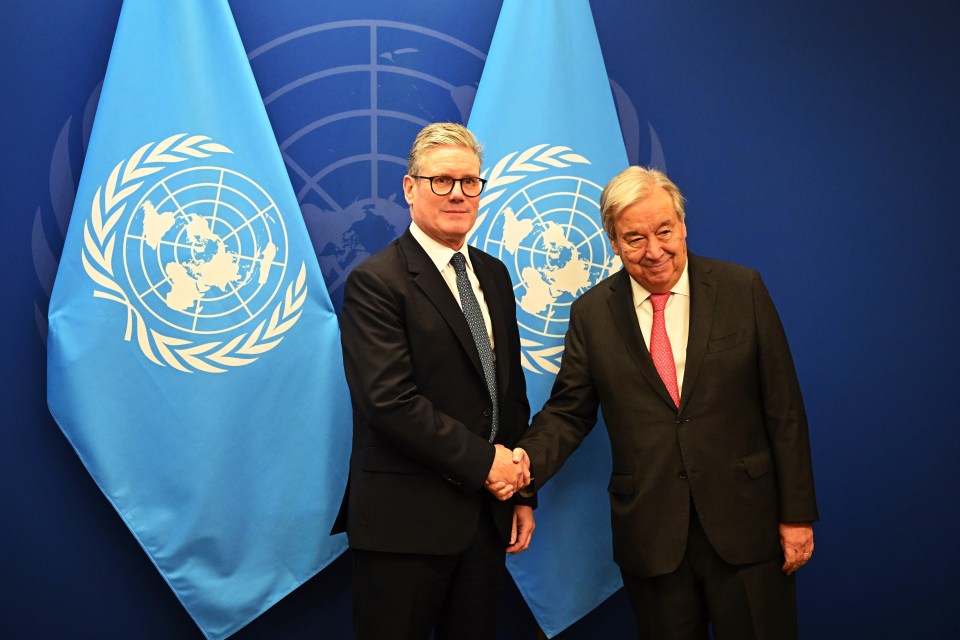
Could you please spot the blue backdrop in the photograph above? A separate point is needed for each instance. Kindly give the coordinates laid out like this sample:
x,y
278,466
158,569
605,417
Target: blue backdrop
x,y
816,141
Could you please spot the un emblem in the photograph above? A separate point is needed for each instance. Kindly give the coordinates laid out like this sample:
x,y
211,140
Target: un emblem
x,y
204,255
546,230
204,250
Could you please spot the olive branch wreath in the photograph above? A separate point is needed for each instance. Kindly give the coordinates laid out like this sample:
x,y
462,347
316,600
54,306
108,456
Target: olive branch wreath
x,y
513,167
99,235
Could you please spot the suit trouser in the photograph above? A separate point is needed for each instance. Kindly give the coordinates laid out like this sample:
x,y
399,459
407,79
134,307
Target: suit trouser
x,y
738,601
403,596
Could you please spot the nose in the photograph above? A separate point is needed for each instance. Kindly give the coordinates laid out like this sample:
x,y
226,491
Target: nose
x,y
457,191
654,248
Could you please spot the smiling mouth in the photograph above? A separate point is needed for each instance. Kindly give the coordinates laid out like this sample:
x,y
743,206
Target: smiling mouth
x,y
658,266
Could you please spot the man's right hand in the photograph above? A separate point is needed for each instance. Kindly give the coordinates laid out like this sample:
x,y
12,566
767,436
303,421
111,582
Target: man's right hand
x,y
510,472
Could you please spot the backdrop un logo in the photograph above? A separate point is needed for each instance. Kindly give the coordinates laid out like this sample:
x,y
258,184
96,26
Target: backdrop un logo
x,y
346,100
541,218
185,259
205,250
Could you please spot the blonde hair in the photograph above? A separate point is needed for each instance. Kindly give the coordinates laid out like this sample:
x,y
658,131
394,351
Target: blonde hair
x,y
630,186
441,134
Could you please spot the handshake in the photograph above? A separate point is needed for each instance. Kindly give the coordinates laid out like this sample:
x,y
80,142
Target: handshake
x,y
510,472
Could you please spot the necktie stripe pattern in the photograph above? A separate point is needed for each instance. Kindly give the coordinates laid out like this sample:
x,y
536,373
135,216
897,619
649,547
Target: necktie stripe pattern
x,y
471,309
660,349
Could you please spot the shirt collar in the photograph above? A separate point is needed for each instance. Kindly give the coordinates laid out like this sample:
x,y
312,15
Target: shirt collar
x,y
439,254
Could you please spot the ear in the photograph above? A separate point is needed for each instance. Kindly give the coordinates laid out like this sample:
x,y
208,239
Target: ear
x,y
408,184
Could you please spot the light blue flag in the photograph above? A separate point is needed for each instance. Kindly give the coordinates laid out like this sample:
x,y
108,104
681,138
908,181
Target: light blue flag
x,y
545,115
194,355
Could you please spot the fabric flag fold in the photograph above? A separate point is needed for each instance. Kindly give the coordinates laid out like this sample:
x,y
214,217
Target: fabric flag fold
x,y
545,114
194,355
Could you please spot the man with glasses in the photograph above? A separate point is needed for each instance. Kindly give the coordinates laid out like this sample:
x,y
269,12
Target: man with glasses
x,y
432,356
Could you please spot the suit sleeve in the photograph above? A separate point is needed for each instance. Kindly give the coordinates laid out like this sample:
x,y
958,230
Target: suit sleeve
x,y
517,394
379,371
570,413
785,418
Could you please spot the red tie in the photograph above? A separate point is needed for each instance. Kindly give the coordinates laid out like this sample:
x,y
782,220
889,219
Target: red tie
x,y
660,349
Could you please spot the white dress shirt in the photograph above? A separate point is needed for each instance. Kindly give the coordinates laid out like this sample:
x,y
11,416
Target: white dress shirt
x,y
440,256
676,317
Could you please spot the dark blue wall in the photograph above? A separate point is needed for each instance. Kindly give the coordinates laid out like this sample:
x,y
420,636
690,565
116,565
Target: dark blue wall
x,y
817,141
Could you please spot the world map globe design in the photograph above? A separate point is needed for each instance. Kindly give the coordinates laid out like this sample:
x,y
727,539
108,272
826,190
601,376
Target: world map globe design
x,y
205,250
547,233
346,100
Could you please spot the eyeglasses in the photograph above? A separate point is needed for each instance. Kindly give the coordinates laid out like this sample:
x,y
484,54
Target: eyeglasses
x,y
443,185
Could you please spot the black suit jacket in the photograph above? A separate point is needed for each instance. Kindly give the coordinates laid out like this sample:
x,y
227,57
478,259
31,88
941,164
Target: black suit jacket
x,y
737,446
422,412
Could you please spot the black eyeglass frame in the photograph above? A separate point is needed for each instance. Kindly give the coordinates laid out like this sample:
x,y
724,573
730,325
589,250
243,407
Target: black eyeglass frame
x,y
453,184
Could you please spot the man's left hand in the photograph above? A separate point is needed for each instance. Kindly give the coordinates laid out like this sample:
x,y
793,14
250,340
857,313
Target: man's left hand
x,y
522,528
796,538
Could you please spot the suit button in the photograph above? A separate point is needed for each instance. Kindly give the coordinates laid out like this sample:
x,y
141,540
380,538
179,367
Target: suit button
x,y
683,475
486,413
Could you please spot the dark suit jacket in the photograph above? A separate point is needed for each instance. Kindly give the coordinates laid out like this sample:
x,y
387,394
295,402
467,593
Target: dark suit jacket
x,y
421,409
737,446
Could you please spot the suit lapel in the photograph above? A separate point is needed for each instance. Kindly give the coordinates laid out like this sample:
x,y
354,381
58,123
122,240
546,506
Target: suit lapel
x,y
703,297
625,319
433,286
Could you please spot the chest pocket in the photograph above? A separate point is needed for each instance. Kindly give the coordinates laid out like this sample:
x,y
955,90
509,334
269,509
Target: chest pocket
x,y
728,341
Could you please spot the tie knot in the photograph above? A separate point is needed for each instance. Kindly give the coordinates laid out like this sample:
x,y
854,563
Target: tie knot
x,y
459,262
659,300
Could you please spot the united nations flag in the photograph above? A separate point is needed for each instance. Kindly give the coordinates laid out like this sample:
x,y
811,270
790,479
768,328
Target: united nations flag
x,y
545,114
194,355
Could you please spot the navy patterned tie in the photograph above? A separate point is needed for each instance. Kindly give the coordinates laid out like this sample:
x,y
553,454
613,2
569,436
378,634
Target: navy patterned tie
x,y
471,309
